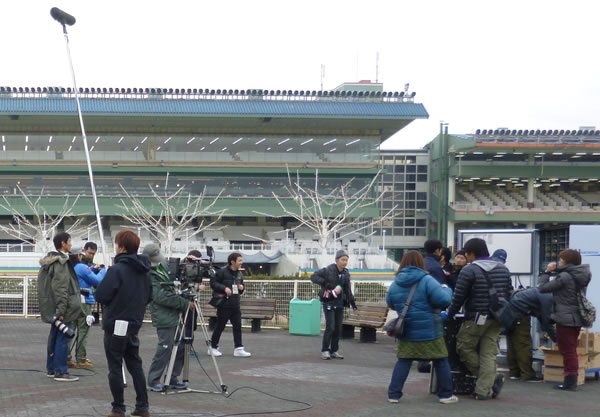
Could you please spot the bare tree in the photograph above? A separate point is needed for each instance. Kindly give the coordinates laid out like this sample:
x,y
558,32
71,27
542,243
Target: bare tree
x,y
176,217
342,210
41,227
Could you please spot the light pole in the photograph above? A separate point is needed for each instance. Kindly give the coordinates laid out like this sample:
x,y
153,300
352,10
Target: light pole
x,y
66,19
384,240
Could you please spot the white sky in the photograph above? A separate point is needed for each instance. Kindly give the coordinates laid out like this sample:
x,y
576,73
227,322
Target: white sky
x,y
523,64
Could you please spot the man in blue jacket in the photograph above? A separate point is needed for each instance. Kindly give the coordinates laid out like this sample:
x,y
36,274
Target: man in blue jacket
x,y
89,278
433,251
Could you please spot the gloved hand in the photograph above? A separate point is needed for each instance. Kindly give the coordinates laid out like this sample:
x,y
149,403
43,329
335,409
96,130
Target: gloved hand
x,y
336,291
444,315
89,320
326,294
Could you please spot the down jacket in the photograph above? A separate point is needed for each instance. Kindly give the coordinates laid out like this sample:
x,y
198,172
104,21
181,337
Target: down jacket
x,y
58,288
564,287
472,289
423,319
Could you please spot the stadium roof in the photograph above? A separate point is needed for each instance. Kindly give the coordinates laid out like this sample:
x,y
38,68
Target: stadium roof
x,y
155,109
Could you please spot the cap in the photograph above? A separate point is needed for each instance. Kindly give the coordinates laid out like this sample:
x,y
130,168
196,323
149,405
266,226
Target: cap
x,y
76,250
152,251
340,253
500,254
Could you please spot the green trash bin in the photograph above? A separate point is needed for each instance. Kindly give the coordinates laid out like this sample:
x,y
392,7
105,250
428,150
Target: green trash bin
x,y
305,317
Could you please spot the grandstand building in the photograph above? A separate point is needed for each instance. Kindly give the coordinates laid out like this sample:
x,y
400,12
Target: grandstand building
x,y
241,142
506,178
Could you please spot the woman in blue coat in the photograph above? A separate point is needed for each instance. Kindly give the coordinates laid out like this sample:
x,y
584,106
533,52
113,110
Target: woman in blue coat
x,y
422,338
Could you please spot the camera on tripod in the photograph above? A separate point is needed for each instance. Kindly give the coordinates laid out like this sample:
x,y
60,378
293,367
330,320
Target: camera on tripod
x,y
192,271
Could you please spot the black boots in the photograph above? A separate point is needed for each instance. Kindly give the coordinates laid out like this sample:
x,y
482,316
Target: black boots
x,y
569,384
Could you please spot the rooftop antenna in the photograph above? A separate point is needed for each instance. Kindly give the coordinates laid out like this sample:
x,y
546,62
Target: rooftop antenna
x,y
322,75
377,67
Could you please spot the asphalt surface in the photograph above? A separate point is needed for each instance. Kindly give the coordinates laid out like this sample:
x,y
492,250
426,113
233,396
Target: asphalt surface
x,y
284,366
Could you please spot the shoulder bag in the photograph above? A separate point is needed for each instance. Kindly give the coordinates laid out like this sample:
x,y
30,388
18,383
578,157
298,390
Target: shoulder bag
x,y
395,327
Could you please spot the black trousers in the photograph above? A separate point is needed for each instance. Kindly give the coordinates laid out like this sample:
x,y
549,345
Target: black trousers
x,y
334,317
225,314
127,348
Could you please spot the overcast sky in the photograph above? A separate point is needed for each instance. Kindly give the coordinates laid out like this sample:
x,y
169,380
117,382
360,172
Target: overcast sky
x,y
474,64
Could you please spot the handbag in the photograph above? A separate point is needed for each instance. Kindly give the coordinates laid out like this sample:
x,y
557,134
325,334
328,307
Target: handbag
x,y
586,309
395,327
499,306
216,301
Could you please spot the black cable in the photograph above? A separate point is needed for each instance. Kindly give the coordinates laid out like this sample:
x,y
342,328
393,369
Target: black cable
x,y
44,372
308,405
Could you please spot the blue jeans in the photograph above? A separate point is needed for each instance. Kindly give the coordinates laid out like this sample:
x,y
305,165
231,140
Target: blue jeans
x,y
442,369
57,351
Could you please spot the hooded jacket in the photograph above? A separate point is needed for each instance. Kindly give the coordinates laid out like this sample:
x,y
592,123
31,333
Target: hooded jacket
x,y
567,280
423,319
472,288
125,291
58,288
166,304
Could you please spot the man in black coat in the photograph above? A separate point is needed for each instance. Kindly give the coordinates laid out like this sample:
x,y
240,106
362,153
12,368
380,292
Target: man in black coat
x,y
433,251
335,294
227,285
477,339
124,293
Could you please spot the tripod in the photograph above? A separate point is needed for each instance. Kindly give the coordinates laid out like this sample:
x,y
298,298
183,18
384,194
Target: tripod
x,y
185,334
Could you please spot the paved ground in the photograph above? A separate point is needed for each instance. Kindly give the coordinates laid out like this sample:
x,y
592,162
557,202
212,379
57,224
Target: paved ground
x,y
282,365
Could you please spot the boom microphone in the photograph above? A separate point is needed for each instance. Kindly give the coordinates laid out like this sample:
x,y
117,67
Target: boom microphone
x,y
61,17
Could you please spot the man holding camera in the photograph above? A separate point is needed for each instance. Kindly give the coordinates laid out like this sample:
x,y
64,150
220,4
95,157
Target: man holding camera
x,y
124,293
89,277
166,307
227,286
58,291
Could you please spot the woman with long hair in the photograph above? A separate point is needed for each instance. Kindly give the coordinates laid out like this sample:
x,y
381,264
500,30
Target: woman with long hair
x,y
564,281
422,338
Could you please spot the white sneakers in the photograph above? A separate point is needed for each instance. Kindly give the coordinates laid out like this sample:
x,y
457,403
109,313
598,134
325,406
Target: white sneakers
x,y
238,352
450,400
241,353
214,352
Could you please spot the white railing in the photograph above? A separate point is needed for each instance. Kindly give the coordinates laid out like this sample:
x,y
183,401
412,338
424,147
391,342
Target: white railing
x,y
19,297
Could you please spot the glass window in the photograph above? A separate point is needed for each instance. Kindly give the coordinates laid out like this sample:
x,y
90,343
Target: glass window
x,y
409,231
421,222
422,177
409,222
422,169
411,177
422,205
411,159
421,196
398,232
399,177
410,204
411,168
421,231
410,195
411,186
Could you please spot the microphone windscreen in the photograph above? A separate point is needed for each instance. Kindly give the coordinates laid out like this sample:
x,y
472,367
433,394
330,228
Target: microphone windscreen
x,y
61,17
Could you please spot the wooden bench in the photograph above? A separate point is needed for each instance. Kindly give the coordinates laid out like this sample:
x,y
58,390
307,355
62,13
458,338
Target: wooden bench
x,y
255,309
369,317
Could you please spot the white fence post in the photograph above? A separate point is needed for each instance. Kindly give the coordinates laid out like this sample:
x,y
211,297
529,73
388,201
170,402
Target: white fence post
x,y
295,288
25,296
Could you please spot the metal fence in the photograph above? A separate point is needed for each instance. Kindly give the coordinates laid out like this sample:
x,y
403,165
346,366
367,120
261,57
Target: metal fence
x,y
18,295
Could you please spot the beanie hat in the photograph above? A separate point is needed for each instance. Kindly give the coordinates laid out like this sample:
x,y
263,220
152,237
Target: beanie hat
x,y
152,251
500,254
76,250
340,253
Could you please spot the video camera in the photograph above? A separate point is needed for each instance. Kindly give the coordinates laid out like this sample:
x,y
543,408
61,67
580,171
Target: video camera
x,y
192,271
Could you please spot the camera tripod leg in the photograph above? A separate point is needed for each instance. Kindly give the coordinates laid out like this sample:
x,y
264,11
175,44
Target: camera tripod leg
x,y
178,339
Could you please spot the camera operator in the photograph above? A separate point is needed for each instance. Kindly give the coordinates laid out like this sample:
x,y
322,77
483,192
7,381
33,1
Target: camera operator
x,y
165,308
89,278
58,292
227,286
124,293
196,255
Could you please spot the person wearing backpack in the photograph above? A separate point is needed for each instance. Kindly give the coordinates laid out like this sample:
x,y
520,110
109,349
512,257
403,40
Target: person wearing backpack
x,y
477,339
423,334
564,281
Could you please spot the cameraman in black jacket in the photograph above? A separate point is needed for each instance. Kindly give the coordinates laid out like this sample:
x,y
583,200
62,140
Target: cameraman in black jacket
x,y
227,286
124,293
335,294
